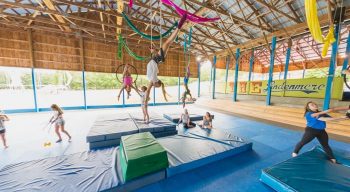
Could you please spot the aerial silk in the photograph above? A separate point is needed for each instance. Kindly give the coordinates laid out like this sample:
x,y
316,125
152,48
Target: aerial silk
x,y
187,44
121,44
130,3
149,37
190,16
315,28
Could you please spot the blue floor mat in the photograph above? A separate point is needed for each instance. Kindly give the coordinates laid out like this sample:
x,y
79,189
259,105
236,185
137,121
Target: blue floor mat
x,y
310,171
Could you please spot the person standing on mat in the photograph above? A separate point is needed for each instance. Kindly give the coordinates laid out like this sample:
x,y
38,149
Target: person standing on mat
x,y
186,121
315,128
142,94
3,118
207,121
157,58
57,118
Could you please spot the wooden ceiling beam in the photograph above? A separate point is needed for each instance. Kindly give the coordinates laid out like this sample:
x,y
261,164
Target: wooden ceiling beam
x,y
273,8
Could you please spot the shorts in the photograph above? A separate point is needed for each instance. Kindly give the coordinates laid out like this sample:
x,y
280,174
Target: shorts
x,y
2,131
60,122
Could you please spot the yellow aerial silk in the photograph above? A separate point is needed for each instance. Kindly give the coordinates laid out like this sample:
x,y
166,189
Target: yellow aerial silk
x,y
315,28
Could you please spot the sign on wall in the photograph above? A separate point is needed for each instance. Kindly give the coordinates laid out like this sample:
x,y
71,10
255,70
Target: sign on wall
x,y
307,88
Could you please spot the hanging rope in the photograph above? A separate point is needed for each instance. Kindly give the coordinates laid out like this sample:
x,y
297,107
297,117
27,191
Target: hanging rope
x,y
143,35
121,44
315,28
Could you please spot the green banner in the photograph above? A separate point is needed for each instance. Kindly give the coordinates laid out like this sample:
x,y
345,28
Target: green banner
x,y
306,88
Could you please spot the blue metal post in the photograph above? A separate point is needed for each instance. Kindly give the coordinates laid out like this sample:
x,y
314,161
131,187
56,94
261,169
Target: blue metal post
x,y
286,67
178,92
154,96
84,89
251,63
287,63
213,68
332,65
123,97
347,55
226,75
272,62
236,75
199,79
34,91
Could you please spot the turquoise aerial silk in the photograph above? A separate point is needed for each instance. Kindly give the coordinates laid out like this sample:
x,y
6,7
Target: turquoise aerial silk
x,y
121,44
149,37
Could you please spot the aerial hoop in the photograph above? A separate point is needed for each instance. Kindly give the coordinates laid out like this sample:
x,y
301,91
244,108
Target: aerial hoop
x,y
132,70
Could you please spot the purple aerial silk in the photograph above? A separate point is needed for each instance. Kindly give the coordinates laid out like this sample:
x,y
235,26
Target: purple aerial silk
x,y
190,16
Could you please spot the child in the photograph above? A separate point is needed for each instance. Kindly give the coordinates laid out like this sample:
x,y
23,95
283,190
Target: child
x,y
157,58
3,118
315,127
142,94
187,90
127,82
57,118
207,121
186,121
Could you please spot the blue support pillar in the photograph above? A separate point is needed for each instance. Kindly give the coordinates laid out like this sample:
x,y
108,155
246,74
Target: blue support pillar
x,y
286,67
84,89
347,55
199,79
287,64
226,75
213,68
238,51
332,66
154,96
178,91
272,62
34,91
251,63
123,98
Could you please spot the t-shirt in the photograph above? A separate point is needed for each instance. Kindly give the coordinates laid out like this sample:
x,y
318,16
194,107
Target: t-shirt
x,y
314,122
152,71
185,118
2,124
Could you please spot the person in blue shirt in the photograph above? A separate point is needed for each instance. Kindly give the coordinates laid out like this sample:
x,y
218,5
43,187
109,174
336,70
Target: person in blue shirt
x,y
315,128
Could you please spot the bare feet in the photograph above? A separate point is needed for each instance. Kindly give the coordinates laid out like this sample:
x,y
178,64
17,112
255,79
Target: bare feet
x,y
6,146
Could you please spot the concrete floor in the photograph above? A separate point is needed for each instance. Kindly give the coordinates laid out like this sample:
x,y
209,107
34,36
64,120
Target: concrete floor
x,y
271,144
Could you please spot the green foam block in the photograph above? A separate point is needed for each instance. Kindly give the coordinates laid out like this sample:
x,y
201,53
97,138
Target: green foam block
x,y
141,154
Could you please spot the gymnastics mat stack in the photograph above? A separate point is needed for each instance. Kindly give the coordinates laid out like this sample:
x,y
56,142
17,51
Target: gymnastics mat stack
x,y
141,154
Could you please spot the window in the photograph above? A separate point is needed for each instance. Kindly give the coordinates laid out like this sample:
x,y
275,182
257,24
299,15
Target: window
x,y
206,78
171,87
16,90
63,88
102,89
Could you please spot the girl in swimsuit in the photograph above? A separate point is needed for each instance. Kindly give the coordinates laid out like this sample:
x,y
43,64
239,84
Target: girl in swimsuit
x,y
127,82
